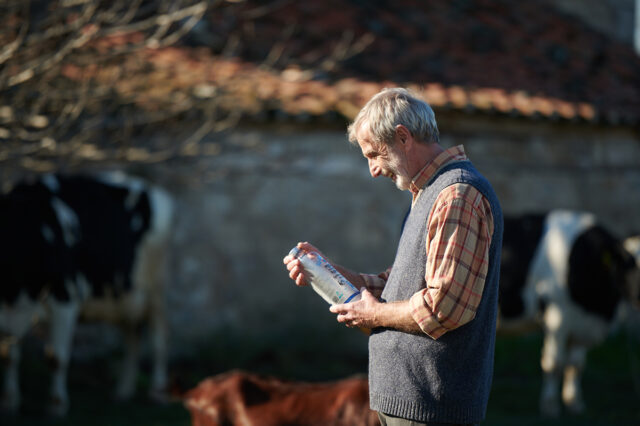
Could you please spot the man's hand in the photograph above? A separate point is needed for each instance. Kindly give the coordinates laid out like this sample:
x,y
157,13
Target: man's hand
x,y
370,313
363,313
294,266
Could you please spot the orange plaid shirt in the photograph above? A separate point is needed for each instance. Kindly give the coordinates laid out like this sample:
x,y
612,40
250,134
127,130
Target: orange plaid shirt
x,y
459,230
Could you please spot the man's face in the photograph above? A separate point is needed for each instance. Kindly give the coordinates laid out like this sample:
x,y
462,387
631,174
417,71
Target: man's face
x,y
385,160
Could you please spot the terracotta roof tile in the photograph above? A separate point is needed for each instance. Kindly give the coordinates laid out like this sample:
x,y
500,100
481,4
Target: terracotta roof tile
x,y
488,54
435,94
496,56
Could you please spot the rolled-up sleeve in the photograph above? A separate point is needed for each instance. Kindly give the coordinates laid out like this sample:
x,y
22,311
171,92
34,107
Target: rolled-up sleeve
x,y
459,231
375,283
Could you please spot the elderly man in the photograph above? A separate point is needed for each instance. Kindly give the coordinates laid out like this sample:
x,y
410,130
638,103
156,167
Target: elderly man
x,y
433,313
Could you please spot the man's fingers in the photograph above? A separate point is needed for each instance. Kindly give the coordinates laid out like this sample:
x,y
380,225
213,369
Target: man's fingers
x,y
343,314
337,309
346,320
300,280
292,264
293,273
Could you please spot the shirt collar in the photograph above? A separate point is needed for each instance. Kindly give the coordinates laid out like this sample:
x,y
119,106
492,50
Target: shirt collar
x,y
445,158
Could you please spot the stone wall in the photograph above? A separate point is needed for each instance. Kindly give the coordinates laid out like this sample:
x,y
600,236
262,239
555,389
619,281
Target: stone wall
x,y
538,165
269,187
266,190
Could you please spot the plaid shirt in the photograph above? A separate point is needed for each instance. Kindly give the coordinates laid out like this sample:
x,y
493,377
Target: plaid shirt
x,y
459,230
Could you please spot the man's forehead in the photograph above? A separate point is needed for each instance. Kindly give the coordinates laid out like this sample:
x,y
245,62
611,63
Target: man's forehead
x,y
363,131
363,135
365,145
365,140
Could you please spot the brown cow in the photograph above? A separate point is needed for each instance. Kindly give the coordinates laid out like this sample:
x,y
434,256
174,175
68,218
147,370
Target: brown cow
x,y
241,398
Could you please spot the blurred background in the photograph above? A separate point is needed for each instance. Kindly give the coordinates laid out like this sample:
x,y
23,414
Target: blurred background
x,y
238,108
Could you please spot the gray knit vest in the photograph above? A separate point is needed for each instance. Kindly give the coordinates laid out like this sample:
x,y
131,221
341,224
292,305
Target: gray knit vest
x,y
447,380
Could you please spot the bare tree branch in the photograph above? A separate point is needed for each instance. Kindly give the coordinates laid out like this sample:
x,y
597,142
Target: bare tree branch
x,y
60,64
86,81
8,50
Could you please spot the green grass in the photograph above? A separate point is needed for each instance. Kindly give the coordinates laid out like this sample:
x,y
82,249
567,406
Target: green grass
x,y
610,381
610,393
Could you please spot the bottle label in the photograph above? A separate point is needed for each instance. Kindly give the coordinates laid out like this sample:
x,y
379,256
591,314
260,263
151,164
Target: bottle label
x,y
340,279
325,279
320,261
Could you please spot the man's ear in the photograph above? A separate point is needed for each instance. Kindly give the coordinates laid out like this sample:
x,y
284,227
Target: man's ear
x,y
403,133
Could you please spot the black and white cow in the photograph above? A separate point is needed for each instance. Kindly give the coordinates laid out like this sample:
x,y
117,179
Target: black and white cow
x,y
567,272
83,248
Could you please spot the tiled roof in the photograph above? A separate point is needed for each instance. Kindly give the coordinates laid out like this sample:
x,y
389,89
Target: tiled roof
x,y
294,92
505,56
313,58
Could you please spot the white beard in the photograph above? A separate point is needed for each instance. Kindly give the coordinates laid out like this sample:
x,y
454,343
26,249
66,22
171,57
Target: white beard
x,y
402,182
398,170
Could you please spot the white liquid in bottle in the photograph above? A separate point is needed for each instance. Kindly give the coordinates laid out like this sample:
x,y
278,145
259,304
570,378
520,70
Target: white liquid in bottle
x,y
325,279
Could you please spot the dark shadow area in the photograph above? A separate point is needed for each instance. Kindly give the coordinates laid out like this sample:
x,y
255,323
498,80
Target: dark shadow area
x,y
610,393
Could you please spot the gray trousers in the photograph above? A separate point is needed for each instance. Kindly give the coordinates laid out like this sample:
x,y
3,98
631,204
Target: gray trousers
x,y
387,420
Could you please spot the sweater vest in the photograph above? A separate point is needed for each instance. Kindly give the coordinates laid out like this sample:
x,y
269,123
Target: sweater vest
x,y
447,380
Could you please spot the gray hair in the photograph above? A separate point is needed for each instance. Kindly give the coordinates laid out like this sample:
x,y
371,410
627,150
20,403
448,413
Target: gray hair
x,y
393,106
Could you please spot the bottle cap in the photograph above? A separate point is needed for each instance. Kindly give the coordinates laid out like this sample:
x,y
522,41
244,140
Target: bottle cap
x,y
295,252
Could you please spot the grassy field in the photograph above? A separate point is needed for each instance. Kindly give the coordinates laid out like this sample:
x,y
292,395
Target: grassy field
x,y
610,384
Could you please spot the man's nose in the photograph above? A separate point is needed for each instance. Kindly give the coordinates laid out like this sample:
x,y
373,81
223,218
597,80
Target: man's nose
x,y
374,169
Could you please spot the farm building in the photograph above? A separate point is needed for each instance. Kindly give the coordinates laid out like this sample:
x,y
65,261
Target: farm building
x,y
546,107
